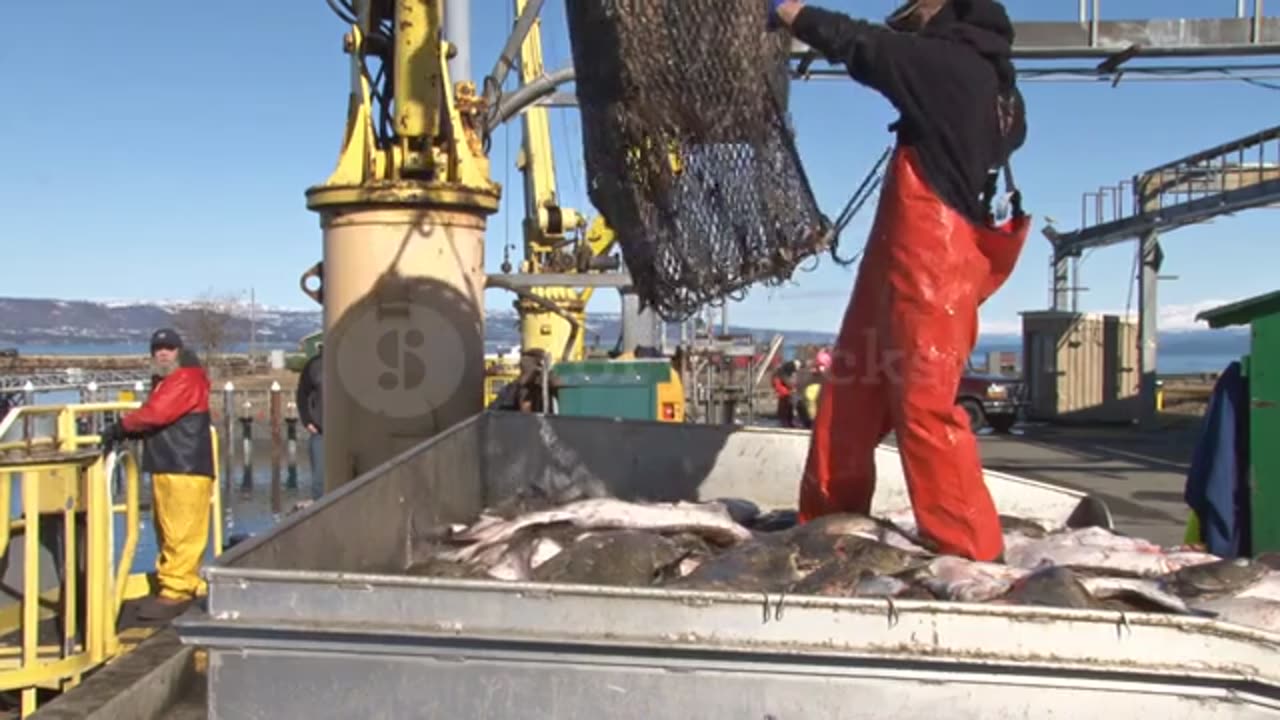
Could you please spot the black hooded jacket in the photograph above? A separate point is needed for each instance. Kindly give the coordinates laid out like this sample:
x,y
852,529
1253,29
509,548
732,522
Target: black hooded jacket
x,y
308,395
945,82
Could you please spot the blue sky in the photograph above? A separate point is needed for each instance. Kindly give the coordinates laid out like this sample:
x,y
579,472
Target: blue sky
x,y
161,150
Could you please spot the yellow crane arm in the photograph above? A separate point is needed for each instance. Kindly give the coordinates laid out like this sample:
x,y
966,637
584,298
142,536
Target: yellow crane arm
x,y
550,229
546,221
432,144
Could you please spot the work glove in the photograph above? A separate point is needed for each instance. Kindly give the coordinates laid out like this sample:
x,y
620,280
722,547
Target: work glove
x,y
112,436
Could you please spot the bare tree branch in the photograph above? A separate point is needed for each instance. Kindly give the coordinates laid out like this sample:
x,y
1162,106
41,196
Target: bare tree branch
x,y
207,326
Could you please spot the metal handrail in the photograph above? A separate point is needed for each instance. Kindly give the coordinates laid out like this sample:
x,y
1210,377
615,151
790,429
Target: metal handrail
x,y
65,428
31,666
61,666
215,507
131,513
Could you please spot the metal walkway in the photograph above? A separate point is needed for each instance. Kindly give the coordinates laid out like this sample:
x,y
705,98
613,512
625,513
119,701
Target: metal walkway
x,y
1238,175
72,379
1223,180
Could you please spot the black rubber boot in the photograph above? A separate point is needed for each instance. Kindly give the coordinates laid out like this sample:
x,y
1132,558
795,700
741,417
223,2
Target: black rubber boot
x,y
161,609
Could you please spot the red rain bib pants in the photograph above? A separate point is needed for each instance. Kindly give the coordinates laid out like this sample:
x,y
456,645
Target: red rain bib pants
x,y
904,344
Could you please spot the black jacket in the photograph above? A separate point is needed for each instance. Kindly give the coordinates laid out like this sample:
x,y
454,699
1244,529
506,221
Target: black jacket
x,y
174,421
308,395
945,82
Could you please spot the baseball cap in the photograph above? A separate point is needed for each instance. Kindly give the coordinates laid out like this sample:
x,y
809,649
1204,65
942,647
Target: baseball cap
x,y
166,337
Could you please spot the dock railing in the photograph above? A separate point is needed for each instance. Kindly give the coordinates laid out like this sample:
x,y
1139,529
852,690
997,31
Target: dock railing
x,y
67,489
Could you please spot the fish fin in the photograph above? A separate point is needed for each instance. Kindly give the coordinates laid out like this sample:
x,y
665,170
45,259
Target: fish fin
x,y
477,529
917,539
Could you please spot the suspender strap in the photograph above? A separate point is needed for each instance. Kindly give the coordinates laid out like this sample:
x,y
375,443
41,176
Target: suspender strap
x,y
1005,112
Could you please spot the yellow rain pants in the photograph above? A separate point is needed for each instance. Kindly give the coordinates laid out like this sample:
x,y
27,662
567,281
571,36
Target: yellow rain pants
x,y
181,505
811,394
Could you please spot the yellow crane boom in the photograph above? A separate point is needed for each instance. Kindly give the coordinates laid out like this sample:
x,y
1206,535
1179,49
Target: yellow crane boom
x,y
557,239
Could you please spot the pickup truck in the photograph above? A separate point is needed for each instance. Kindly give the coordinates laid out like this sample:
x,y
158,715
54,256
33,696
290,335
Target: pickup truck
x,y
993,401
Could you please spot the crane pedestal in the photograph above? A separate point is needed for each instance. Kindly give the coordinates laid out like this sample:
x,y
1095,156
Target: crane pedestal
x,y
403,328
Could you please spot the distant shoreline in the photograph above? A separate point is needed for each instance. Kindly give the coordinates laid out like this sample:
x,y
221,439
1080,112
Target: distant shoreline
x,y
1175,358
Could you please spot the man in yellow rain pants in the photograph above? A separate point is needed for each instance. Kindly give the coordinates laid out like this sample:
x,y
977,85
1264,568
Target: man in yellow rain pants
x,y
178,453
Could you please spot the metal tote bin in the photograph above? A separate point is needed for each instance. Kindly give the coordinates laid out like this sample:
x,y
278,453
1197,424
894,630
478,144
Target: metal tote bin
x,y
318,620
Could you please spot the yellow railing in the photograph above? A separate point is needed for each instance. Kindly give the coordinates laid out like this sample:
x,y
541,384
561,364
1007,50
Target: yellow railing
x,y
66,475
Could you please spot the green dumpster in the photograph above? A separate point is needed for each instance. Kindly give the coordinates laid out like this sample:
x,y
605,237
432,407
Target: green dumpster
x,y
307,348
1262,368
310,345
643,389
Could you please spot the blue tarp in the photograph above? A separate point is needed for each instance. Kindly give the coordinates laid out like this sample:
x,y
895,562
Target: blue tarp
x,y
1218,479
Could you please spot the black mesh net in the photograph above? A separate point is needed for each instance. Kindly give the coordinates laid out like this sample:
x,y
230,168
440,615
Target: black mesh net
x,y
687,149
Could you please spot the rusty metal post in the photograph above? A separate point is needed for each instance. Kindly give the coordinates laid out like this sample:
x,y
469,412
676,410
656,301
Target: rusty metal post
x,y
277,443
228,440
291,441
246,424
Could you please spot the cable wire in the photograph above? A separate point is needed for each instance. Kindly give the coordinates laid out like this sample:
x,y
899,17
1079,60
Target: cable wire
x,y
343,9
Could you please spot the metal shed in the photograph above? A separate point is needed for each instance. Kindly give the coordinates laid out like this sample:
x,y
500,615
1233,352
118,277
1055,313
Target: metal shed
x,y
1080,367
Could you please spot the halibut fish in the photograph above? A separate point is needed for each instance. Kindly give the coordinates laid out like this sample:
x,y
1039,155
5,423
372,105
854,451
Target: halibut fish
x,y
710,520
730,545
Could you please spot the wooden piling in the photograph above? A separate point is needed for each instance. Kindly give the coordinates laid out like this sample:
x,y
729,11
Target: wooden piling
x,y
228,440
277,447
291,440
246,424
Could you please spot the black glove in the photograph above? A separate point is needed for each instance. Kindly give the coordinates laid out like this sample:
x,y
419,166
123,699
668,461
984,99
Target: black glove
x,y
112,435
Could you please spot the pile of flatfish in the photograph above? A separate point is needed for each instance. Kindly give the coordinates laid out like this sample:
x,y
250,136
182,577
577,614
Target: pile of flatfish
x,y
730,545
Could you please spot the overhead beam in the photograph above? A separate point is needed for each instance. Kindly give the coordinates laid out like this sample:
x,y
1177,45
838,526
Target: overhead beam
x,y
1106,39
1234,176
1169,218
1202,182
1159,37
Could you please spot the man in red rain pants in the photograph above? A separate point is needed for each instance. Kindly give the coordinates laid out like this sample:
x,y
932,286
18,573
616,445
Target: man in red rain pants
x,y
934,255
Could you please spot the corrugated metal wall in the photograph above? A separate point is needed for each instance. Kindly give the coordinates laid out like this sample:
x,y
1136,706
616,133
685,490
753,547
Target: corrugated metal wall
x,y
1081,367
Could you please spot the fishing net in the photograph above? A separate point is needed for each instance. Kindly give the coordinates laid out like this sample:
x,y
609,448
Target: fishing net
x,y
687,149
